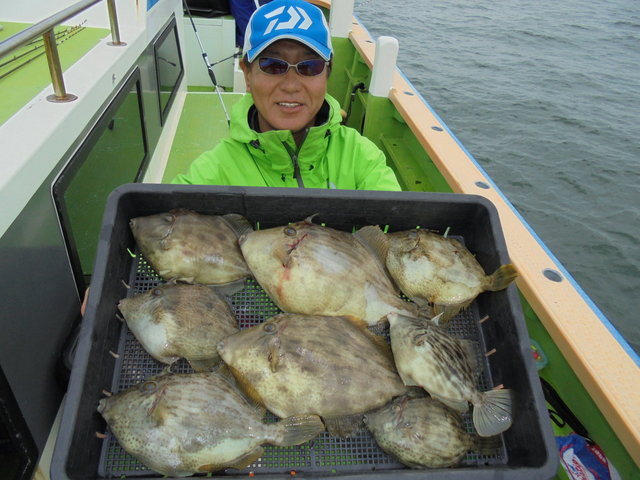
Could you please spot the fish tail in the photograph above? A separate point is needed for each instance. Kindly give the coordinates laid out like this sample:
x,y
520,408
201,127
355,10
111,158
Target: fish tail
x,y
502,277
298,429
492,414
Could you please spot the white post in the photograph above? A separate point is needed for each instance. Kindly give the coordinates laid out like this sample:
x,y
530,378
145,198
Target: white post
x,y
384,66
340,17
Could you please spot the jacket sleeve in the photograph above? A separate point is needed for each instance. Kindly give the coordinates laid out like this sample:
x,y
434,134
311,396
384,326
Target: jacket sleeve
x,y
373,173
204,170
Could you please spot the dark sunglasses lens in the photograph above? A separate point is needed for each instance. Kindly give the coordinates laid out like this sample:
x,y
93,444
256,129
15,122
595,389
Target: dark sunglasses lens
x,y
311,68
273,66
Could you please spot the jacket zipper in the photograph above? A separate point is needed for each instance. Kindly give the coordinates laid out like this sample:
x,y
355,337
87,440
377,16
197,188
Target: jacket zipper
x,y
294,158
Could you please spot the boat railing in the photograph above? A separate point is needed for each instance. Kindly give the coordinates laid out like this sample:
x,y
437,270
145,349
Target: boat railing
x,y
45,29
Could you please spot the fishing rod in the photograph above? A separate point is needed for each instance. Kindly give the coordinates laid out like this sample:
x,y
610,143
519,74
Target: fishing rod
x,y
26,62
58,36
206,62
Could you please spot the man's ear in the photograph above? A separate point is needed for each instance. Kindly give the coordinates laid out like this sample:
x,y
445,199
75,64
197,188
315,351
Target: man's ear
x,y
245,70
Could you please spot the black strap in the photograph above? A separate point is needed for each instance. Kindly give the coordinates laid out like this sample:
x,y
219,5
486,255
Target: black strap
x,y
562,411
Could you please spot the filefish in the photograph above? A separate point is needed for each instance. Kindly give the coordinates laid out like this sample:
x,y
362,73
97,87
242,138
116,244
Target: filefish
x,y
191,247
314,270
423,432
433,269
175,320
181,424
326,366
446,367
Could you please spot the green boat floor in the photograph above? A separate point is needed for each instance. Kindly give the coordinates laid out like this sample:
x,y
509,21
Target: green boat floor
x,y
202,125
19,86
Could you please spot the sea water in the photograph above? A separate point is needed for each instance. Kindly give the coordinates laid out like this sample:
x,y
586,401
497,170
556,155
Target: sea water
x,y
546,96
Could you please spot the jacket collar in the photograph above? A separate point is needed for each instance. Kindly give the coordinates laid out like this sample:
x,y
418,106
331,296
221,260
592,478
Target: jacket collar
x,y
267,147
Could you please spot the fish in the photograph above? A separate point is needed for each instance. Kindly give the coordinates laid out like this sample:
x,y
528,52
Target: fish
x,y
194,248
182,424
178,320
423,432
446,367
311,269
303,364
440,272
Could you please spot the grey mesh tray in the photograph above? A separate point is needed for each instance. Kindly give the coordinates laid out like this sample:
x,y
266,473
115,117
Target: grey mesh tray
x,y
326,453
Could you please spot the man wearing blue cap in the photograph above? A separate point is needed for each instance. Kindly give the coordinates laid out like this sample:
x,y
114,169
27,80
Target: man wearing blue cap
x,y
286,131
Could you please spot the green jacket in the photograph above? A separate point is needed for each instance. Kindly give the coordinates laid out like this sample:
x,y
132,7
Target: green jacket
x,y
332,156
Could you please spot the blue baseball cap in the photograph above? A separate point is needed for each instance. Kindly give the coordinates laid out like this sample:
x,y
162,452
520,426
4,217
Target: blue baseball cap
x,y
287,19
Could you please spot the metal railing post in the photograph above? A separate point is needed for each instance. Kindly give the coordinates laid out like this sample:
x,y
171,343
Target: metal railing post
x,y
113,21
55,69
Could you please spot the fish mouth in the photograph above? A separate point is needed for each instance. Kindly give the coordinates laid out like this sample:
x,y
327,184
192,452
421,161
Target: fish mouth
x,y
242,238
102,405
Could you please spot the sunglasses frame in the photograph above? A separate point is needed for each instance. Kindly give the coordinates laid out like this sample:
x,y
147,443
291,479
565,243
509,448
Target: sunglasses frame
x,y
295,65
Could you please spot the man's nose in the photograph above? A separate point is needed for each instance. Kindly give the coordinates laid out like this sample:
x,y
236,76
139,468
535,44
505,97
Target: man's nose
x,y
291,80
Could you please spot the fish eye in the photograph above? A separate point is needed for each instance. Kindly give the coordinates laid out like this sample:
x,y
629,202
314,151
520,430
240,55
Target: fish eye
x,y
157,292
290,231
149,387
169,218
407,425
269,328
413,234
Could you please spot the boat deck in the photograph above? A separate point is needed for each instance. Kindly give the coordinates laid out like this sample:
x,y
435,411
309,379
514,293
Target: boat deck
x,y
202,125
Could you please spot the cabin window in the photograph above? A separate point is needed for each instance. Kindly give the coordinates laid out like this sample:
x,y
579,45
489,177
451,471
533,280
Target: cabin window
x,y
169,68
114,152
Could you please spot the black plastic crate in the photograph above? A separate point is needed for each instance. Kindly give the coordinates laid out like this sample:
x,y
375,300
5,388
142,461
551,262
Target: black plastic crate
x,y
529,449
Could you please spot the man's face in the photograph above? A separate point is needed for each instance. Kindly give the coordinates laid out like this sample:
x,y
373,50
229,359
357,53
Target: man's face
x,y
290,101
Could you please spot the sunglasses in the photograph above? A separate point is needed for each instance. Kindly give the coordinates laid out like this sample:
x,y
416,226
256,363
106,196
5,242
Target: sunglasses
x,y
306,68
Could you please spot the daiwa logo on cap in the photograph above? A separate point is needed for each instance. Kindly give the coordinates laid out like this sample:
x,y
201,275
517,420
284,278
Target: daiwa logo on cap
x,y
295,15
287,19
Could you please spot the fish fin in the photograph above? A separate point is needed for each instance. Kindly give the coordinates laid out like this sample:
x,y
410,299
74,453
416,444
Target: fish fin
x,y
190,280
165,274
470,348
375,334
238,463
458,405
298,429
224,371
203,365
157,411
408,381
445,313
245,387
345,426
273,354
501,278
229,289
485,445
310,218
492,415
375,240
209,467
239,224
424,309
